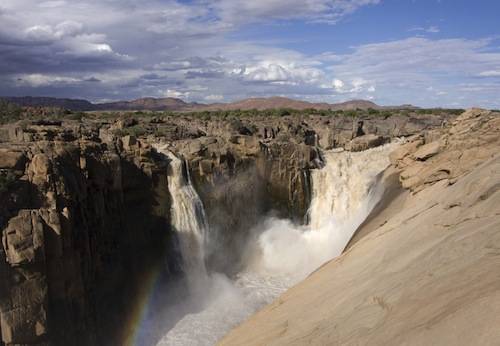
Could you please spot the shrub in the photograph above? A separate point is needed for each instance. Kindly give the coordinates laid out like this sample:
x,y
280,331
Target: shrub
x,y
78,116
350,113
136,131
284,112
9,112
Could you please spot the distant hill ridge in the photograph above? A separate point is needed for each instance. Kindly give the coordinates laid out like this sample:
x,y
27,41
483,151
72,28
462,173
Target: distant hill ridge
x,y
175,104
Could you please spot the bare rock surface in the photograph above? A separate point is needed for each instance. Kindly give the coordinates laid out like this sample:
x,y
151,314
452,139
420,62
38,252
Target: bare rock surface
x,y
421,271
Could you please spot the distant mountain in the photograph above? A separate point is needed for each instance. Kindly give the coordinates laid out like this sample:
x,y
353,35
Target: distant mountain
x,y
283,102
174,104
72,104
148,103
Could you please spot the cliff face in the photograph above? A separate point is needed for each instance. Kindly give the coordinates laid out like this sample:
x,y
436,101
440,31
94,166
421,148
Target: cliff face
x,y
246,167
80,221
422,269
85,206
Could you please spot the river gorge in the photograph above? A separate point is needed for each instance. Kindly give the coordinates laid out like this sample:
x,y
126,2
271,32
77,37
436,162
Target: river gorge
x,y
177,236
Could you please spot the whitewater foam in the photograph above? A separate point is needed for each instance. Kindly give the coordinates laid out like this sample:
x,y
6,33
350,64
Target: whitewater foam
x,y
343,194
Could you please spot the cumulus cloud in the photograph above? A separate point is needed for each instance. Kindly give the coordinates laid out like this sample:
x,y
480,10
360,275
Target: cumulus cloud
x,y
176,94
95,49
410,66
354,87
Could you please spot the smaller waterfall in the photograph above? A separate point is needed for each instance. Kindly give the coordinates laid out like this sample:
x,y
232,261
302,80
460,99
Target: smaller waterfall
x,y
188,218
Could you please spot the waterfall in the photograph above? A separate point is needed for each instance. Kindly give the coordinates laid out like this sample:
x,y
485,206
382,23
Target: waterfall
x,y
188,218
344,192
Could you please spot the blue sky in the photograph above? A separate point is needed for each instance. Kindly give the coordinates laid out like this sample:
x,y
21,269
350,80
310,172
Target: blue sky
x,y
424,52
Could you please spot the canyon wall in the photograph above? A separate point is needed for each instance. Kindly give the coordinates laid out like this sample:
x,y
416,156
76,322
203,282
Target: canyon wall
x,y
85,206
422,269
80,221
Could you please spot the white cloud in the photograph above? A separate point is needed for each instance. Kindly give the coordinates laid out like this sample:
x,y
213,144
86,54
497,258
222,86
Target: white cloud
x,y
214,98
329,11
338,85
404,69
271,71
353,87
490,73
68,28
176,94
39,33
52,4
183,49
38,80
433,29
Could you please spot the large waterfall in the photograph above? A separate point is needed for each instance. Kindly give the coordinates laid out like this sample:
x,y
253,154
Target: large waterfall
x,y
343,194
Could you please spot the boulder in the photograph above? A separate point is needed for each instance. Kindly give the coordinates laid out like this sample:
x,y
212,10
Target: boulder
x,y
23,325
404,150
10,159
126,122
365,142
22,240
129,142
427,151
310,137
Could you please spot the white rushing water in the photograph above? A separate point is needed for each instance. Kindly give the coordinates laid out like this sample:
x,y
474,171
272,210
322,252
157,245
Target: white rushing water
x,y
188,219
343,194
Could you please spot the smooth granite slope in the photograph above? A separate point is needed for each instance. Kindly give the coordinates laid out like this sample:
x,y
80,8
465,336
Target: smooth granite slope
x,y
422,272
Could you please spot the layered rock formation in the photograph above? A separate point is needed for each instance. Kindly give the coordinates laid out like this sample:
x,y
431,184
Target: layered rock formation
x,y
423,268
85,205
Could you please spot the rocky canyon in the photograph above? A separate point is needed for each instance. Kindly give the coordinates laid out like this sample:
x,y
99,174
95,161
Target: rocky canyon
x,y
93,222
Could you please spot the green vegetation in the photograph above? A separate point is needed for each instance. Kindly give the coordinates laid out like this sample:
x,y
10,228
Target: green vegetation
x,y
9,112
136,131
352,113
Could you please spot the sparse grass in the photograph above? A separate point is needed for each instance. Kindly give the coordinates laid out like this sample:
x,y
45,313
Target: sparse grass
x,y
9,112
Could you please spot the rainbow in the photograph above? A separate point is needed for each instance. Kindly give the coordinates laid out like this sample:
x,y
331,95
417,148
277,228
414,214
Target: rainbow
x,y
141,307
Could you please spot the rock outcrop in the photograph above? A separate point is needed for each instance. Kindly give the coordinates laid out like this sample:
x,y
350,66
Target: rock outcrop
x,y
81,221
85,204
423,267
